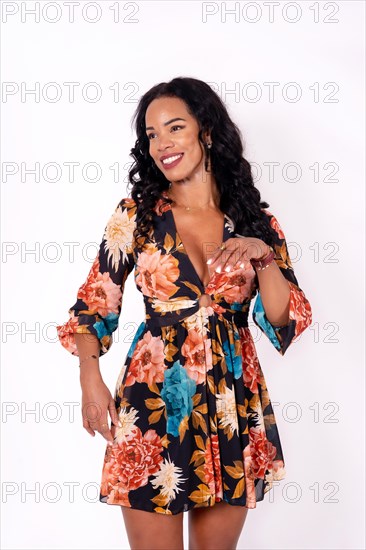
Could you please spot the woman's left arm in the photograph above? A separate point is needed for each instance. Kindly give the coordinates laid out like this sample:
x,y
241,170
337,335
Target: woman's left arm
x,y
275,294
281,309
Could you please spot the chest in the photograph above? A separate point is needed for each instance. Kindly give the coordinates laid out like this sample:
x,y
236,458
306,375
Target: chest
x,y
201,234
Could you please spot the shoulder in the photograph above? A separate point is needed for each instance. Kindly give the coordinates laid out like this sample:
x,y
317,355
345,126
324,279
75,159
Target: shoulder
x,y
126,203
126,207
274,223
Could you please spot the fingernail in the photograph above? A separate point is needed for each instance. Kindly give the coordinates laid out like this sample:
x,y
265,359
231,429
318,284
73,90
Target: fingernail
x,y
227,268
209,261
109,443
120,424
218,269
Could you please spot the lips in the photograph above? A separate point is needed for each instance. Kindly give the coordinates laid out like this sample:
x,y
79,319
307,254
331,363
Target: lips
x,y
169,156
173,160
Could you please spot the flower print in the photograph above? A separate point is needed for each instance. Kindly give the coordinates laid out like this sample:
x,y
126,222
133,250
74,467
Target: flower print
x,y
99,292
299,309
66,332
120,377
107,325
262,452
208,467
276,226
233,361
128,465
156,274
199,320
226,411
215,448
249,478
251,368
168,478
197,351
118,236
127,420
177,392
147,362
235,285
277,473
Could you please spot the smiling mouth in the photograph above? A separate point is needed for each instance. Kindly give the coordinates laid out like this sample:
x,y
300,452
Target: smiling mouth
x,y
171,159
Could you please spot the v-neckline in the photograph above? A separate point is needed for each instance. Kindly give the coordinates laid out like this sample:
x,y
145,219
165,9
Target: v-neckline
x,y
188,258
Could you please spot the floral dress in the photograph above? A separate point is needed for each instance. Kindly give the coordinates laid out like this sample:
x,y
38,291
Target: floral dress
x,y
197,422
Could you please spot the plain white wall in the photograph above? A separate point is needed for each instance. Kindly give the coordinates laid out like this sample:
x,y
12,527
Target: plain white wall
x,y
313,49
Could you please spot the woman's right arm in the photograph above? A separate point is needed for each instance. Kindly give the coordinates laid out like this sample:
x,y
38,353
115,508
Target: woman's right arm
x,y
94,316
97,400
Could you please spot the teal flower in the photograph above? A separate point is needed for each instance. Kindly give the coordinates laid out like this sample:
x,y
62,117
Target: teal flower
x,y
233,362
107,325
177,392
260,319
140,330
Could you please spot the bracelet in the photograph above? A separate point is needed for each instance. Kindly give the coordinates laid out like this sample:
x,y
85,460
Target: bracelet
x,y
264,262
88,357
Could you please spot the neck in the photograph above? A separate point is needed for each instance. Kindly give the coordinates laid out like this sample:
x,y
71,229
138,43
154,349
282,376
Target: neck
x,y
194,196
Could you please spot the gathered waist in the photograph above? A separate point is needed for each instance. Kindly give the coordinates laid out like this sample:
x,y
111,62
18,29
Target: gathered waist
x,y
168,312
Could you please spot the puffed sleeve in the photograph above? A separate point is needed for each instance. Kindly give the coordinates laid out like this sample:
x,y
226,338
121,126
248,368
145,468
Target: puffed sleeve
x,y
99,299
300,314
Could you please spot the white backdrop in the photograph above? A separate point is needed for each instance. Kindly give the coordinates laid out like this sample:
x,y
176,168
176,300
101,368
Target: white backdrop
x,y
291,74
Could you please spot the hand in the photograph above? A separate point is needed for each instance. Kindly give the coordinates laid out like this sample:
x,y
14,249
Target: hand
x,y
237,251
96,402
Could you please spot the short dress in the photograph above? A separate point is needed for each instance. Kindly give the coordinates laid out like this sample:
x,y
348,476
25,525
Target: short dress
x,y
197,421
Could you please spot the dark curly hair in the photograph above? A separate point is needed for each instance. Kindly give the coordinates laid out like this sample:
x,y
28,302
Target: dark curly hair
x,y
239,198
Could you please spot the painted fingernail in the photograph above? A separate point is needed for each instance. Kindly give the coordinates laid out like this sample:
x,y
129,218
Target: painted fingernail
x,y
241,265
227,268
218,269
209,261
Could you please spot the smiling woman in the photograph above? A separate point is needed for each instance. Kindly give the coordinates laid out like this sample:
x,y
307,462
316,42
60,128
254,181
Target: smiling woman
x,y
193,428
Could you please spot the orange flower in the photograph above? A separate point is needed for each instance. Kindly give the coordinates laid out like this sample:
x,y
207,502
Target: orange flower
x,y
99,292
251,372
147,363
197,350
156,273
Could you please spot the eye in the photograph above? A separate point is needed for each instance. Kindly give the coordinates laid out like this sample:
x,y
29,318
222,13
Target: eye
x,y
149,136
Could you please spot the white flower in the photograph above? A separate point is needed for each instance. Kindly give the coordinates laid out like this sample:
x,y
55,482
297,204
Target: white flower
x,y
118,235
168,477
226,409
127,420
256,415
199,320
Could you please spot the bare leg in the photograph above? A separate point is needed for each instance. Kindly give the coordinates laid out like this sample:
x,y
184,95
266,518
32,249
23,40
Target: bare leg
x,y
153,531
217,527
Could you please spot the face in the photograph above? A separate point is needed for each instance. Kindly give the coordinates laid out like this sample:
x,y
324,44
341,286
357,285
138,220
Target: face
x,y
173,138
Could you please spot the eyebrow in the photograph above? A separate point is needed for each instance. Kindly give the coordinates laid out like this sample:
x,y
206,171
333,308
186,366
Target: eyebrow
x,y
166,123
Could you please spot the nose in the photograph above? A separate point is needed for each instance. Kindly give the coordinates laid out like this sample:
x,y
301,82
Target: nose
x,y
164,142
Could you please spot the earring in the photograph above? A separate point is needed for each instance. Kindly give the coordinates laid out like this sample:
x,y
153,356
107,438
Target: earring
x,y
209,145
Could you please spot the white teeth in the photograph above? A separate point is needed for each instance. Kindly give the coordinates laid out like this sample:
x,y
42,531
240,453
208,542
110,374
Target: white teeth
x,y
171,159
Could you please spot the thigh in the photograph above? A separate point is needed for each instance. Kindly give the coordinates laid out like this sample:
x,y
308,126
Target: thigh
x,y
217,527
153,531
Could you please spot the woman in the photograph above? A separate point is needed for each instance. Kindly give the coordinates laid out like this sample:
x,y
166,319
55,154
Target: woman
x,y
192,426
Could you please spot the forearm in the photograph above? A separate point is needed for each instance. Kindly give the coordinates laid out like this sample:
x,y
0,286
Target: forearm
x,y
88,344
275,294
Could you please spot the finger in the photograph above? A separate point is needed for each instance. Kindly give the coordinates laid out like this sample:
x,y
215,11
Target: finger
x,y
113,412
218,253
88,428
106,432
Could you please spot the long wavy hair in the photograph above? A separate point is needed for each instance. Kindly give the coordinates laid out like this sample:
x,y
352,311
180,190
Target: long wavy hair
x,y
239,198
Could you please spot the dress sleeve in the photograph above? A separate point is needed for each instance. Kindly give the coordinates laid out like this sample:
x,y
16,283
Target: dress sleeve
x,y
99,299
300,313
